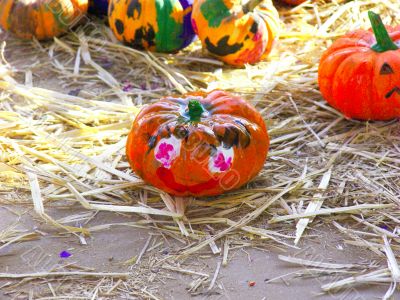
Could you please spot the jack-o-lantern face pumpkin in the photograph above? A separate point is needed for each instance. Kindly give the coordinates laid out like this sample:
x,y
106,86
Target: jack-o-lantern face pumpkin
x,y
200,144
360,73
155,25
234,33
42,19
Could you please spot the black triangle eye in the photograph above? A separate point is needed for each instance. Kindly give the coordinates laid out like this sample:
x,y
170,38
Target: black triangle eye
x,y
386,69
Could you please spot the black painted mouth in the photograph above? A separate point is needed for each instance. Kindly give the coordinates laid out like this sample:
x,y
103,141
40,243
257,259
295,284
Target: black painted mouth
x,y
391,92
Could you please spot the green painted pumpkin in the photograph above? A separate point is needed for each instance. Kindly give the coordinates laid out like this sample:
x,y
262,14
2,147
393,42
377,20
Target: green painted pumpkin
x,y
236,34
155,25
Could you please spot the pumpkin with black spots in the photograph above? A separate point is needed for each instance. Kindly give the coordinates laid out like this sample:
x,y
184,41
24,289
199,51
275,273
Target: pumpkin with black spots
x,y
40,19
236,34
155,25
200,144
359,74
98,7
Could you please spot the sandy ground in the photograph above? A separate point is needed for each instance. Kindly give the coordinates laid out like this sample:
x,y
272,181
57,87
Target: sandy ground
x,y
106,250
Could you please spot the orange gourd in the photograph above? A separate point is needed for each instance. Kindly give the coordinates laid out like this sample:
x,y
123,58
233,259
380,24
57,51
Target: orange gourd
x,y
234,33
42,19
359,74
199,144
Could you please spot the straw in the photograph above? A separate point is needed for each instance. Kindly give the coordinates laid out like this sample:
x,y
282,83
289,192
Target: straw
x,y
66,108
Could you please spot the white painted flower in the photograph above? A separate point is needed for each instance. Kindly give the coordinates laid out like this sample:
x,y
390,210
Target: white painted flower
x,y
221,161
167,150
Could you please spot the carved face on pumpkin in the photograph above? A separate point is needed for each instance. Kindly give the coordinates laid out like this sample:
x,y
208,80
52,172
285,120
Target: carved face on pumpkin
x,y
360,73
385,71
201,144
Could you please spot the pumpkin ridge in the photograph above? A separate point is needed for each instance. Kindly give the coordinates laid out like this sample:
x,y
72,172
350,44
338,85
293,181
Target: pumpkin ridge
x,y
356,47
344,53
42,21
340,70
370,108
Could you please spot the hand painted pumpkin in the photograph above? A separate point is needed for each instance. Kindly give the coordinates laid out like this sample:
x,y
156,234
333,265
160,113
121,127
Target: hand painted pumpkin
x,y
42,19
199,144
155,25
98,7
360,73
234,33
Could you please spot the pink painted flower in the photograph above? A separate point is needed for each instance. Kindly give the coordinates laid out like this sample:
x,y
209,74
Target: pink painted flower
x,y
257,36
221,163
163,154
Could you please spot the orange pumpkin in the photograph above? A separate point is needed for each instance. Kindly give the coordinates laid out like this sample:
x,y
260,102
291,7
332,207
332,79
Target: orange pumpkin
x,y
360,73
234,33
42,19
199,144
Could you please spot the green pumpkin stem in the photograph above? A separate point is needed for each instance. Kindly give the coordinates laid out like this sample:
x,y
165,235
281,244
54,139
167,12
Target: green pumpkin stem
x,y
383,40
251,5
195,109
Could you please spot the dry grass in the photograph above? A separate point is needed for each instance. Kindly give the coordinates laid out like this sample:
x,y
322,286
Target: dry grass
x,y
67,146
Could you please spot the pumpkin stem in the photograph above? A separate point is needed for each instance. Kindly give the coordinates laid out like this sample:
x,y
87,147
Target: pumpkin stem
x,y
195,109
383,40
251,5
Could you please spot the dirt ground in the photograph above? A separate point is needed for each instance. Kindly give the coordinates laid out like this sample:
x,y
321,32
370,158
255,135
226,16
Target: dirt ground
x,y
106,250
